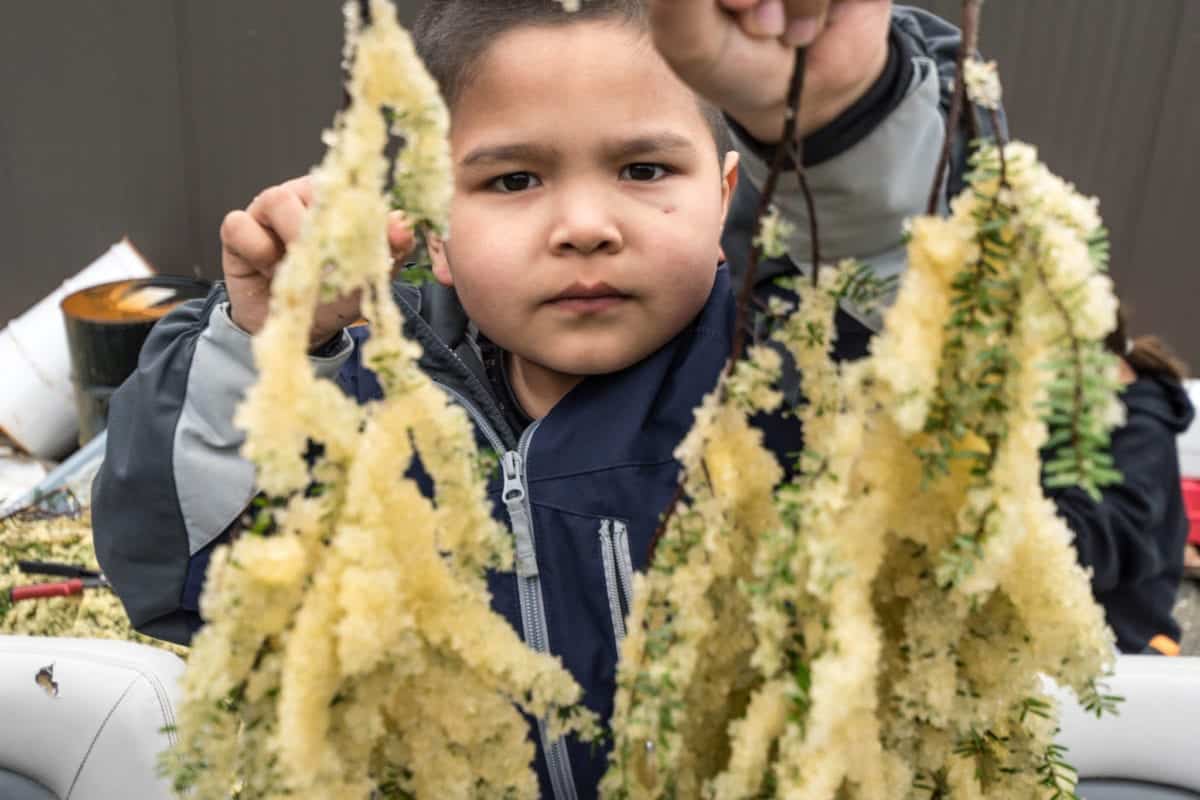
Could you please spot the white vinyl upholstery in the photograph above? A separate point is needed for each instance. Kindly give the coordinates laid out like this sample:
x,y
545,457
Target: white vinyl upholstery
x,y
100,736
1155,736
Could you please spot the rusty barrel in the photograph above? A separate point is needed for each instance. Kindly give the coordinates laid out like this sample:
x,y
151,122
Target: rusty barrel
x,y
106,327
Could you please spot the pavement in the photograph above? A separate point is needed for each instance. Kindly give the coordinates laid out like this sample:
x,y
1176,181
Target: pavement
x,y
1187,612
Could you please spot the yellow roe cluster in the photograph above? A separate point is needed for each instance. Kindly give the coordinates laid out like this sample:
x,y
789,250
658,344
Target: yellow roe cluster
x,y
983,82
773,234
878,624
353,653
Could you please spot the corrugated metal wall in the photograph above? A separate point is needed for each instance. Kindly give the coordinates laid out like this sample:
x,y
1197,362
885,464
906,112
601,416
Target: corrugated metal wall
x,y
152,118
155,117
1109,91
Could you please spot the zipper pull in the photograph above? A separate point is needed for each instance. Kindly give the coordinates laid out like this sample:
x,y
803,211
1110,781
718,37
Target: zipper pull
x,y
522,527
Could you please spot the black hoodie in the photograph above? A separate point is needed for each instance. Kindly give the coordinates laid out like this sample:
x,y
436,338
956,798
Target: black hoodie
x,y
1133,539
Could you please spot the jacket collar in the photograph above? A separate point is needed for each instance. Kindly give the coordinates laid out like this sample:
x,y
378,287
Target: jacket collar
x,y
639,414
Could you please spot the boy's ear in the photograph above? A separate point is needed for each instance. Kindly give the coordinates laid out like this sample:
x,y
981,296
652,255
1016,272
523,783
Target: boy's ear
x,y
729,181
436,246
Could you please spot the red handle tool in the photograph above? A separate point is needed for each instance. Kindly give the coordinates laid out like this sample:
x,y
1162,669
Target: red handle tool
x,y
62,589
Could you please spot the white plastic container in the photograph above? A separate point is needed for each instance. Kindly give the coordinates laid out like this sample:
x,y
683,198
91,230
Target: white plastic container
x,y
1189,440
37,401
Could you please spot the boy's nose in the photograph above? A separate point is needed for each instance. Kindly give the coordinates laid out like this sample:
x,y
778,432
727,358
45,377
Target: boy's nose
x,y
585,228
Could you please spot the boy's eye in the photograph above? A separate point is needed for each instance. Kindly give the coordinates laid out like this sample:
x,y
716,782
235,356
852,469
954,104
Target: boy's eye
x,y
644,172
515,182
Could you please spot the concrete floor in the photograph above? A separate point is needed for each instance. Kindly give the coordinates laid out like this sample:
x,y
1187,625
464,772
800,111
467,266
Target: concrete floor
x,y
1187,612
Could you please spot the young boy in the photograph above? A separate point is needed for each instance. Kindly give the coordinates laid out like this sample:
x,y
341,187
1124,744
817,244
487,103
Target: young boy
x,y
591,188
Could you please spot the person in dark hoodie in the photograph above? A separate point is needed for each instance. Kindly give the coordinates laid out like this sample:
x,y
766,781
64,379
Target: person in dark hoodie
x,y
1133,538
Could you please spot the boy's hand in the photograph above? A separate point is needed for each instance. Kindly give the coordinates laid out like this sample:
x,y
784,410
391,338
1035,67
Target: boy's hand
x,y
739,54
254,241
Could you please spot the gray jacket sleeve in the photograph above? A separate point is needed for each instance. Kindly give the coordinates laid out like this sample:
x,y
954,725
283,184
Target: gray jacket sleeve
x,y
863,195
865,192
173,480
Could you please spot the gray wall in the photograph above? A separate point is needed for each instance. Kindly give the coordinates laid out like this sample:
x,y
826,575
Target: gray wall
x,y
1109,91
155,117
152,118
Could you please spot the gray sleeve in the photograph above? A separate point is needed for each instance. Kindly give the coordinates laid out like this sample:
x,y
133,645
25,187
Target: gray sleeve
x,y
213,481
172,479
864,195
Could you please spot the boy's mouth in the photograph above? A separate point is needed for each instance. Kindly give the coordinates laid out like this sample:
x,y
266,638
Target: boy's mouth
x,y
582,298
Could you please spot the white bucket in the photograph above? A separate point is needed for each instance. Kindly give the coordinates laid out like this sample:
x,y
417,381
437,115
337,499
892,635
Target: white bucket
x,y
37,401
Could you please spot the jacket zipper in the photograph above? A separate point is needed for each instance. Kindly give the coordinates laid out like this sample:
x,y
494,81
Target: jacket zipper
x,y
624,561
611,582
618,573
515,495
522,525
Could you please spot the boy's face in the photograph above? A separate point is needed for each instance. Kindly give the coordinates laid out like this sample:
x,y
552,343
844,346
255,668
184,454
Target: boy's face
x,y
589,199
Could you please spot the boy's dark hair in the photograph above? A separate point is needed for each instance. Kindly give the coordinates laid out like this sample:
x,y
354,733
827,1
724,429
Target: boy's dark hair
x,y
451,36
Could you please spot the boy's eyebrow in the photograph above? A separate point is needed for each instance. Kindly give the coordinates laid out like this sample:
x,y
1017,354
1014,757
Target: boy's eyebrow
x,y
517,151
658,142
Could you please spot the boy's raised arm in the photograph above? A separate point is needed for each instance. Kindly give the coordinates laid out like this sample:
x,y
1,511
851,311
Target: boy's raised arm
x,y
173,480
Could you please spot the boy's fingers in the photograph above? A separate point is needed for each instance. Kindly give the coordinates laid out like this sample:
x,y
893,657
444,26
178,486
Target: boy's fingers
x,y
280,210
805,19
302,187
400,235
248,241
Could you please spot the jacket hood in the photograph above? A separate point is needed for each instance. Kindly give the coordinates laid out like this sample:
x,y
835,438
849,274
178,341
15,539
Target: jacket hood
x,y
1163,398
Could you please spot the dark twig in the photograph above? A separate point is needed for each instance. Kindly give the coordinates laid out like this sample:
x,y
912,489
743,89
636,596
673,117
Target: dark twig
x,y
779,162
813,231
1001,141
970,39
676,499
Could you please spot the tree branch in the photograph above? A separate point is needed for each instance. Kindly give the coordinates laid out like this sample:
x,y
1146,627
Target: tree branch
x,y
970,41
787,146
779,159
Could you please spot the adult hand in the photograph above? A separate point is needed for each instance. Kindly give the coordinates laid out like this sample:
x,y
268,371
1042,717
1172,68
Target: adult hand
x,y
254,241
738,54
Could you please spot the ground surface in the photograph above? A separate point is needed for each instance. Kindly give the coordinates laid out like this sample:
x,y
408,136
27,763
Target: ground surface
x,y
1187,611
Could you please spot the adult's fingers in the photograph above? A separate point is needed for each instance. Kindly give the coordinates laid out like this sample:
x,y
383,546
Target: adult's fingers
x,y
805,19
247,240
689,32
765,18
797,22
